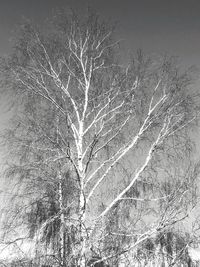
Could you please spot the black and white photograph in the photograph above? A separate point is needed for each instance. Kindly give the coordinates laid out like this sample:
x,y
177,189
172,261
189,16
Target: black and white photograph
x,y
99,133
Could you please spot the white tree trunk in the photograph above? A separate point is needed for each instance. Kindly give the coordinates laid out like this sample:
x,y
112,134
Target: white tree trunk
x,y
82,201
82,232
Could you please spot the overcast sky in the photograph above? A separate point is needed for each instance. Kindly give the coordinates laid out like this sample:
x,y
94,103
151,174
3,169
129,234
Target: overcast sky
x,y
161,26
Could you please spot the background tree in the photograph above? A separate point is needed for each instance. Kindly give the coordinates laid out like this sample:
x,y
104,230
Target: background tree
x,y
81,110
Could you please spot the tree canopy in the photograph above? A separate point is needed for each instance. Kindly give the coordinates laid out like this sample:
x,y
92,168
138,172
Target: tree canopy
x,y
100,145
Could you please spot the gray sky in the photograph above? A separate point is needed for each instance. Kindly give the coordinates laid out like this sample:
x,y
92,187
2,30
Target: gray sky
x,y
161,26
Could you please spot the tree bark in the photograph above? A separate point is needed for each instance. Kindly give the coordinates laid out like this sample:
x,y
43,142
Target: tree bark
x,y
82,231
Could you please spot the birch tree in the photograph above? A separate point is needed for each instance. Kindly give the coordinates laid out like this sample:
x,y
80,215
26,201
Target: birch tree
x,y
83,109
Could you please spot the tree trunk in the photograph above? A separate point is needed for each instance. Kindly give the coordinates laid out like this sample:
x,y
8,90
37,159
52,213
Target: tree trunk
x,y
82,201
82,231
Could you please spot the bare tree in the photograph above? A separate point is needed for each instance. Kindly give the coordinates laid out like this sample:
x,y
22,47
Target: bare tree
x,y
83,110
